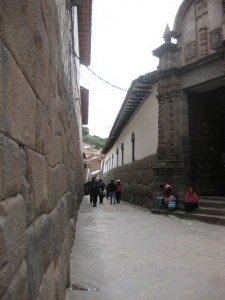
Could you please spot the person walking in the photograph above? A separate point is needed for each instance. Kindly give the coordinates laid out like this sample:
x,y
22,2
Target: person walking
x,y
90,189
107,190
94,191
112,192
101,186
118,190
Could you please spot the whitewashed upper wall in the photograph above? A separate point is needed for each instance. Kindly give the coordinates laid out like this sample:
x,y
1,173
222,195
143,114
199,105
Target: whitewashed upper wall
x,y
145,127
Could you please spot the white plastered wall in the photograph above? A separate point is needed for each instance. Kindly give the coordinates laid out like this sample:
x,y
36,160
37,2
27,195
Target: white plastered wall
x,y
144,125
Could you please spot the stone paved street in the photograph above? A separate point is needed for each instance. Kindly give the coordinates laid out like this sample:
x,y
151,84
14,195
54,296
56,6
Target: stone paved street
x,y
124,252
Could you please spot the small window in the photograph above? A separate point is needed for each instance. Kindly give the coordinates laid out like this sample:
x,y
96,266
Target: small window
x,y
133,146
122,149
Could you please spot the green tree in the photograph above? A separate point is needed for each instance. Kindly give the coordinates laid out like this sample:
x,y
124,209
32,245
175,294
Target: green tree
x,y
85,131
95,141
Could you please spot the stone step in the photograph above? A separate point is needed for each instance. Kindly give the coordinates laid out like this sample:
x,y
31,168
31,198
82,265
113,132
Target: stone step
x,y
206,203
216,198
212,203
212,219
211,210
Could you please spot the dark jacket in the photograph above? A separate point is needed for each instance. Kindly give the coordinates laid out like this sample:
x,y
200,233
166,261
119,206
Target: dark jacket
x,y
112,186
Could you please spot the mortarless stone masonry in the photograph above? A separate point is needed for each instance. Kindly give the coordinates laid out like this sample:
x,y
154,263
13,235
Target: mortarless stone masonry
x,y
41,166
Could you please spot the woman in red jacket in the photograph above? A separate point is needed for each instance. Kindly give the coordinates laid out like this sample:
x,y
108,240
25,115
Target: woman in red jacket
x,y
191,198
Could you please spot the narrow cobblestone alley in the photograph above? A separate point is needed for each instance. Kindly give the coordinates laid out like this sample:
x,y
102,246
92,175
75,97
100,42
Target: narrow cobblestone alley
x,y
123,252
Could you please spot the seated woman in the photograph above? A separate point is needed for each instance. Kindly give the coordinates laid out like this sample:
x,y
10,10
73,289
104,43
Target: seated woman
x,y
191,200
162,201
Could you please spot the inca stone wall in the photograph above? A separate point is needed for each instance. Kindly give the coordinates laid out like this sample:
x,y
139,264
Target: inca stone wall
x,y
138,182
41,168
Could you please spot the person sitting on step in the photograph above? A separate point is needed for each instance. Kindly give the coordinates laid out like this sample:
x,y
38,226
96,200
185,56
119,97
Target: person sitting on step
x,y
162,201
191,200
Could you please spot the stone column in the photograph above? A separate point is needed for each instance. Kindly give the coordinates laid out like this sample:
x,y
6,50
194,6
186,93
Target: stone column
x,y
173,128
168,92
173,134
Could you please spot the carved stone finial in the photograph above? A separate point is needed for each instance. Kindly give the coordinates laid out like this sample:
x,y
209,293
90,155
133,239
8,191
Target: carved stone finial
x,y
166,35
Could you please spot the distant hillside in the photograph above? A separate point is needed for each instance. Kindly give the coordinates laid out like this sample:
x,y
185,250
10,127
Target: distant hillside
x,y
94,141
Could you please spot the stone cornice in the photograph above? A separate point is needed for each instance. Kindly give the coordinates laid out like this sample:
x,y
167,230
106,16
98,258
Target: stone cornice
x,y
176,71
201,62
166,47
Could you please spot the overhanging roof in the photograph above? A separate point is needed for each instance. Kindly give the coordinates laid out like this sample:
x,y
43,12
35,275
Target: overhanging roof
x,y
84,28
138,92
84,105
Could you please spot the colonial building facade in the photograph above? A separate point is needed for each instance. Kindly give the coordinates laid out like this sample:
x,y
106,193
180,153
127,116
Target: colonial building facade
x,y
182,140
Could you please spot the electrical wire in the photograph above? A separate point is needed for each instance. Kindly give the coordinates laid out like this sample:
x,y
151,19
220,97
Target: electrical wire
x,y
100,78
95,87
119,88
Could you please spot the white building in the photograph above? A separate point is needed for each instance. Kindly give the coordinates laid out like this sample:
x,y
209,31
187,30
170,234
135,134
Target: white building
x,y
171,124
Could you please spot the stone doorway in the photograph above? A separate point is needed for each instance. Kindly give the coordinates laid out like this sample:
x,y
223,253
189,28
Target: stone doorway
x,y
207,141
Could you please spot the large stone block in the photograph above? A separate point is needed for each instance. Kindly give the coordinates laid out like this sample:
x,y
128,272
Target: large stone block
x,y
60,282
47,288
69,238
37,178
10,168
17,101
58,127
18,289
70,205
73,163
66,159
45,238
23,30
52,113
58,220
12,238
50,19
72,189
57,185
62,271
72,176
37,236
42,129
54,155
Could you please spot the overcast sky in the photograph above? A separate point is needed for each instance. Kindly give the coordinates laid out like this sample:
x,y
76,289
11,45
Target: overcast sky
x,y
124,34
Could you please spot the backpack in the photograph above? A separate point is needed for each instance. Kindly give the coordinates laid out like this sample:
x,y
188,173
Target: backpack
x,y
172,203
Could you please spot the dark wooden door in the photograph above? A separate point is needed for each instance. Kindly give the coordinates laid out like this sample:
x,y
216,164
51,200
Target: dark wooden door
x,y
205,143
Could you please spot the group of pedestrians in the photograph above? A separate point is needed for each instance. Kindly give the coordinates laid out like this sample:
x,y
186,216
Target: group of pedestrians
x,y
97,188
169,198
167,201
114,191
